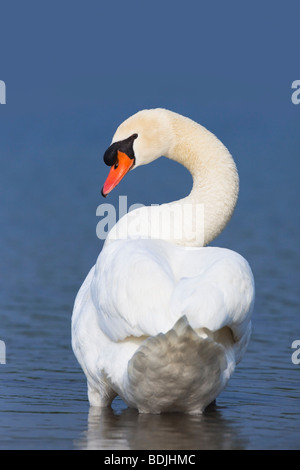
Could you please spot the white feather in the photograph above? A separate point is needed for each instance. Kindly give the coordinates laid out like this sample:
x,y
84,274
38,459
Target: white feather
x,y
163,322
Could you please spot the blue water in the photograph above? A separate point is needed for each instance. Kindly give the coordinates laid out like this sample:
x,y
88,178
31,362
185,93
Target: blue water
x,y
58,120
49,243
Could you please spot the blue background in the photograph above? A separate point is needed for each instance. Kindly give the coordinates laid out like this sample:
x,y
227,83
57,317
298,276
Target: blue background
x,y
74,71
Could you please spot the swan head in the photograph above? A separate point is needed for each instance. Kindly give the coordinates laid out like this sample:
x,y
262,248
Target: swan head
x,y
141,139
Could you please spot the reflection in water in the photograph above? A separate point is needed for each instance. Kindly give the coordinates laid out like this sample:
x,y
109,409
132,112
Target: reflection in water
x,y
130,430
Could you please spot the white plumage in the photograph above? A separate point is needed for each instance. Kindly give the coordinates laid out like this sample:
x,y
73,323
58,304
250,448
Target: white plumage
x,y
161,319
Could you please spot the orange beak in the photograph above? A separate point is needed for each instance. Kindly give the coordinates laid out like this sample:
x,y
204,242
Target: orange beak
x,y
117,172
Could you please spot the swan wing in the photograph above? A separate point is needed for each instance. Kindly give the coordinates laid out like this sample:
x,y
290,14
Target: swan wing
x,y
216,290
142,287
131,289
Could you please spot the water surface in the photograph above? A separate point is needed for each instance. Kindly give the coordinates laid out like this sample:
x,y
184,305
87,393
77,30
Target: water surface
x,y
48,244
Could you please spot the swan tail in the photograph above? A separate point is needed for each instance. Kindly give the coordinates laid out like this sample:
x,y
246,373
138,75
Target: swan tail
x,y
176,371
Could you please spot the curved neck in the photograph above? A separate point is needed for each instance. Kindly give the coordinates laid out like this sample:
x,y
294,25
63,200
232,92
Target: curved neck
x,y
215,177
198,218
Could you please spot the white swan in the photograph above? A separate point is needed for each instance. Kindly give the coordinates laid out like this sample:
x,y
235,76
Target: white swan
x,y
160,319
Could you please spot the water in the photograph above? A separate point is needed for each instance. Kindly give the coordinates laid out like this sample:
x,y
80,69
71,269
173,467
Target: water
x,y
66,94
49,243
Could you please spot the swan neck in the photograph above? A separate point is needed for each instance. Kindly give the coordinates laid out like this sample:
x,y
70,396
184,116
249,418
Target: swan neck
x,y
215,177
200,217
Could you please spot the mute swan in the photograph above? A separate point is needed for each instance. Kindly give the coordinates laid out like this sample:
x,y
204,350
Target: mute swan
x,y
161,319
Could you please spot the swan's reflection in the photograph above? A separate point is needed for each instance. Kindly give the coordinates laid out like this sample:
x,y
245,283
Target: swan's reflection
x,y
133,431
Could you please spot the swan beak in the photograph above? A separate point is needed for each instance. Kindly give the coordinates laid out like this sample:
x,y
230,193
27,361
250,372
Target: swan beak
x,y
117,172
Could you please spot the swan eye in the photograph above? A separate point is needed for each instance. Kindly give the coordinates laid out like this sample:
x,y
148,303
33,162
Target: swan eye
x,y
125,146
116,165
